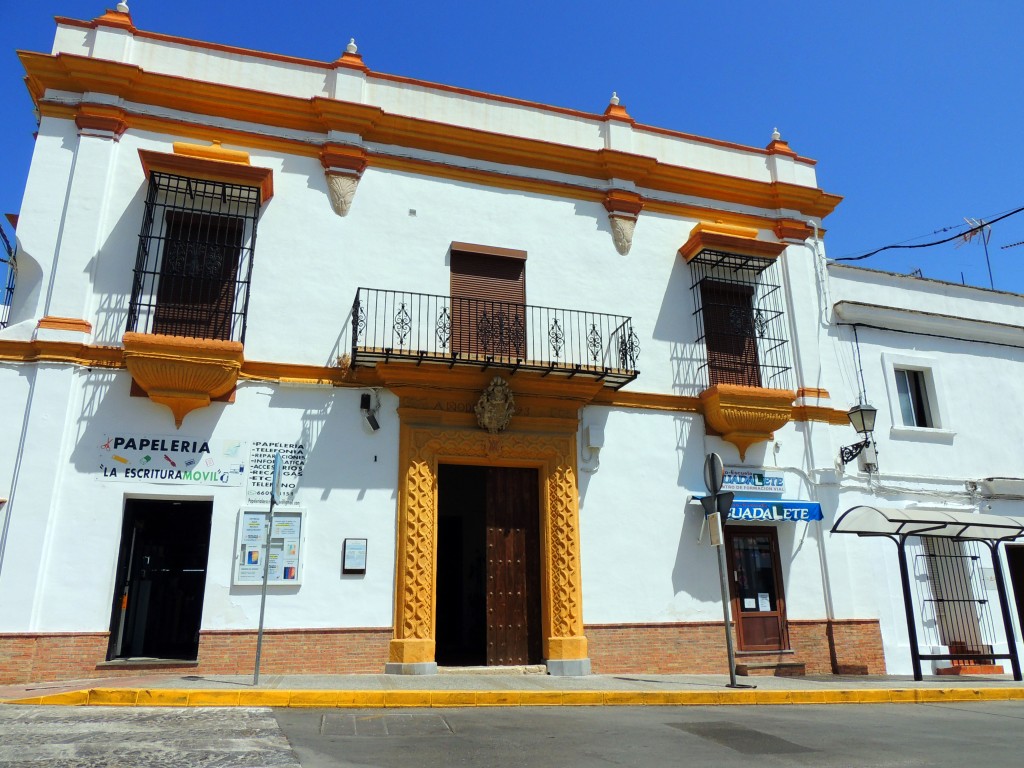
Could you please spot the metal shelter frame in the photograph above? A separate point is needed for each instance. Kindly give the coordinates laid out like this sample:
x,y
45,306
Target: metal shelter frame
x,y
898,525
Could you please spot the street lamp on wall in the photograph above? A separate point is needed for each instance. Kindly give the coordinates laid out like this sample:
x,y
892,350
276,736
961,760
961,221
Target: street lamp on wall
x,y
862,417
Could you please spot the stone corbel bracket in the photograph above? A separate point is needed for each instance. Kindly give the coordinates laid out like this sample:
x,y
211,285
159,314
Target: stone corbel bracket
x,y
343,166
623,210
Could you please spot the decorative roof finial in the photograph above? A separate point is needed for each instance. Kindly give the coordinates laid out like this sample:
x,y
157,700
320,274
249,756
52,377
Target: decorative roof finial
x,y
351,47
122,7
776,135
614,101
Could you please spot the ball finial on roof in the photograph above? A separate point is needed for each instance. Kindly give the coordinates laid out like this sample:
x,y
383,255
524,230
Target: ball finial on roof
x,y
614,100
351,47
122,7
776,135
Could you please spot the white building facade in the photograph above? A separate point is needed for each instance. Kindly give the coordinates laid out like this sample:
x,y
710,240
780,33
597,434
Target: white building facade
x,y
492,341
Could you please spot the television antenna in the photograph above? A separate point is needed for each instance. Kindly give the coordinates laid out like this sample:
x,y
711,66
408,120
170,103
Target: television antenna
x,y
979,227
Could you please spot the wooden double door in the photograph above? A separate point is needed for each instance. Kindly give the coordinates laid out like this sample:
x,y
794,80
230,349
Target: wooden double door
x,y
488,567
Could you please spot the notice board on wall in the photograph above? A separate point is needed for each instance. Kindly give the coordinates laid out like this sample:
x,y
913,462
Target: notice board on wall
x,y
286,545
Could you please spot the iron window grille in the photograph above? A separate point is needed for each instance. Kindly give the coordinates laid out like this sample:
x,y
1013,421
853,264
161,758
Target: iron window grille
x,y
9,269
740,318
194,263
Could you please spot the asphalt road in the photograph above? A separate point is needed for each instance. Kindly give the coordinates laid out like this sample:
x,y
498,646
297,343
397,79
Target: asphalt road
x,y
983,734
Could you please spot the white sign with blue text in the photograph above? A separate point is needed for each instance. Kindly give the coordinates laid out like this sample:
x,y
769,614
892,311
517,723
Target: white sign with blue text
x,y
759,480
758,510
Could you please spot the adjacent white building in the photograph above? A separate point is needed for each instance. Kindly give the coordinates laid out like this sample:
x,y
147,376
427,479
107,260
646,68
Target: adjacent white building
x,y
492,341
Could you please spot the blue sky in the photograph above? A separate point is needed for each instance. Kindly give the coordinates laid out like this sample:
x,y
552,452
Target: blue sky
x,y
912,109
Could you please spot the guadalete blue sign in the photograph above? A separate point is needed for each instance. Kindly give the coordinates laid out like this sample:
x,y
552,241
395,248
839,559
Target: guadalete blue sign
x,y
757,510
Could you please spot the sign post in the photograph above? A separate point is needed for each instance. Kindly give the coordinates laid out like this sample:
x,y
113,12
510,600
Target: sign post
x,y
274,493
716,509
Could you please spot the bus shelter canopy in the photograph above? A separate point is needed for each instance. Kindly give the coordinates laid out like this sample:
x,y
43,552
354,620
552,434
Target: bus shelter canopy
x,y
888,521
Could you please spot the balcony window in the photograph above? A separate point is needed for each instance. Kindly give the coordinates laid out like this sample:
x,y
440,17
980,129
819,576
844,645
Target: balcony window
x,y
488,296
740,320
194,262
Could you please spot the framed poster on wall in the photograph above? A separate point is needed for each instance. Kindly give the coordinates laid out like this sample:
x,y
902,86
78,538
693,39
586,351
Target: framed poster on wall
x,y
286,546
353,558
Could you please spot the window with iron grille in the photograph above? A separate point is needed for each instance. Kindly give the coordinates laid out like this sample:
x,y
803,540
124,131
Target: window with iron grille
x,y
740,320
195,255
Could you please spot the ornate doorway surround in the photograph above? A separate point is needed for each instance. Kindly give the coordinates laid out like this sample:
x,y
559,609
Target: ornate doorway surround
x,y
438,426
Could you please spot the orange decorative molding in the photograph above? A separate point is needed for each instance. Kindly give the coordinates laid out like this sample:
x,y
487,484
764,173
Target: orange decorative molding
x,y
113,18
791,229
351,58
82,74
615,111
820,413
718,236
821,394
212,151
343,158
213,163
180,372
780,147
101,118
65,324
746,415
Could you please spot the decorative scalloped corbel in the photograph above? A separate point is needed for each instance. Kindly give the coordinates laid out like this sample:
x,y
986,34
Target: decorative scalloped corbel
x,y
623,210
343,167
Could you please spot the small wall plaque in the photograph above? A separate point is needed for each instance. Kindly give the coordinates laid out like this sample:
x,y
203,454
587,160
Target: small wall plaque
x,y
353,556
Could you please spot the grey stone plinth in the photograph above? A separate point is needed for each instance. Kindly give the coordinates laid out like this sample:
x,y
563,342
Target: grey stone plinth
x,y
420,668
568,667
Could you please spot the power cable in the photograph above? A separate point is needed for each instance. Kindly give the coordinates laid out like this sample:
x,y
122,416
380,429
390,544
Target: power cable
x,y
977,228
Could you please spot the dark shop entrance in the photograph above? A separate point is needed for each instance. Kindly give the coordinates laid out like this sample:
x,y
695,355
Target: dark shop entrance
x,y
488,566
161,576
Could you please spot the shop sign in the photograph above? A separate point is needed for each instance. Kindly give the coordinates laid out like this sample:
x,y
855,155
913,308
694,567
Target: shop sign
x,y
177,460
747,480
755,510
261,470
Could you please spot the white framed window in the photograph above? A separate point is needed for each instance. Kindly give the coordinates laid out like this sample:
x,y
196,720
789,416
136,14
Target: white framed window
x,y
916,404
912,390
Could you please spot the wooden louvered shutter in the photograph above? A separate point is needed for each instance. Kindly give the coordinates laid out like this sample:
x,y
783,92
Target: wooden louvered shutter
x,y
729,334
488,295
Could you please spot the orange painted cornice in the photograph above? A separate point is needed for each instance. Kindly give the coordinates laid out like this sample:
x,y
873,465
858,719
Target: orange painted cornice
x,y
68,72
97,356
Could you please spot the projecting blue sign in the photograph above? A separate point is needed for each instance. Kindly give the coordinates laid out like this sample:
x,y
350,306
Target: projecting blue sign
x,y
756,510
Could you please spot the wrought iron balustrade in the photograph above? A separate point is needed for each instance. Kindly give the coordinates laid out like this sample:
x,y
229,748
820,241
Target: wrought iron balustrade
x,y
400,325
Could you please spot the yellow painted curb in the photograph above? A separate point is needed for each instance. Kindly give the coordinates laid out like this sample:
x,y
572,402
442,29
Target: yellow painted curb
x,y
162,697
213,698
582,698
498,698
186,697
112,697
453,698
407,698
314,699
263,698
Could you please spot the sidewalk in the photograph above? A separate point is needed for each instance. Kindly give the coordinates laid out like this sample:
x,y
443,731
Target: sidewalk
x,y
466,690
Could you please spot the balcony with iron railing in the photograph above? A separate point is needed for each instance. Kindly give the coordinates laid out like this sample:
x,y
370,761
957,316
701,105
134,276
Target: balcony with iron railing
x,y
405,326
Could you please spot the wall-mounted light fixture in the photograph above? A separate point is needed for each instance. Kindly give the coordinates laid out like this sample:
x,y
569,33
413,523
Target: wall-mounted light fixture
x,y
862,417
593,442
369,411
